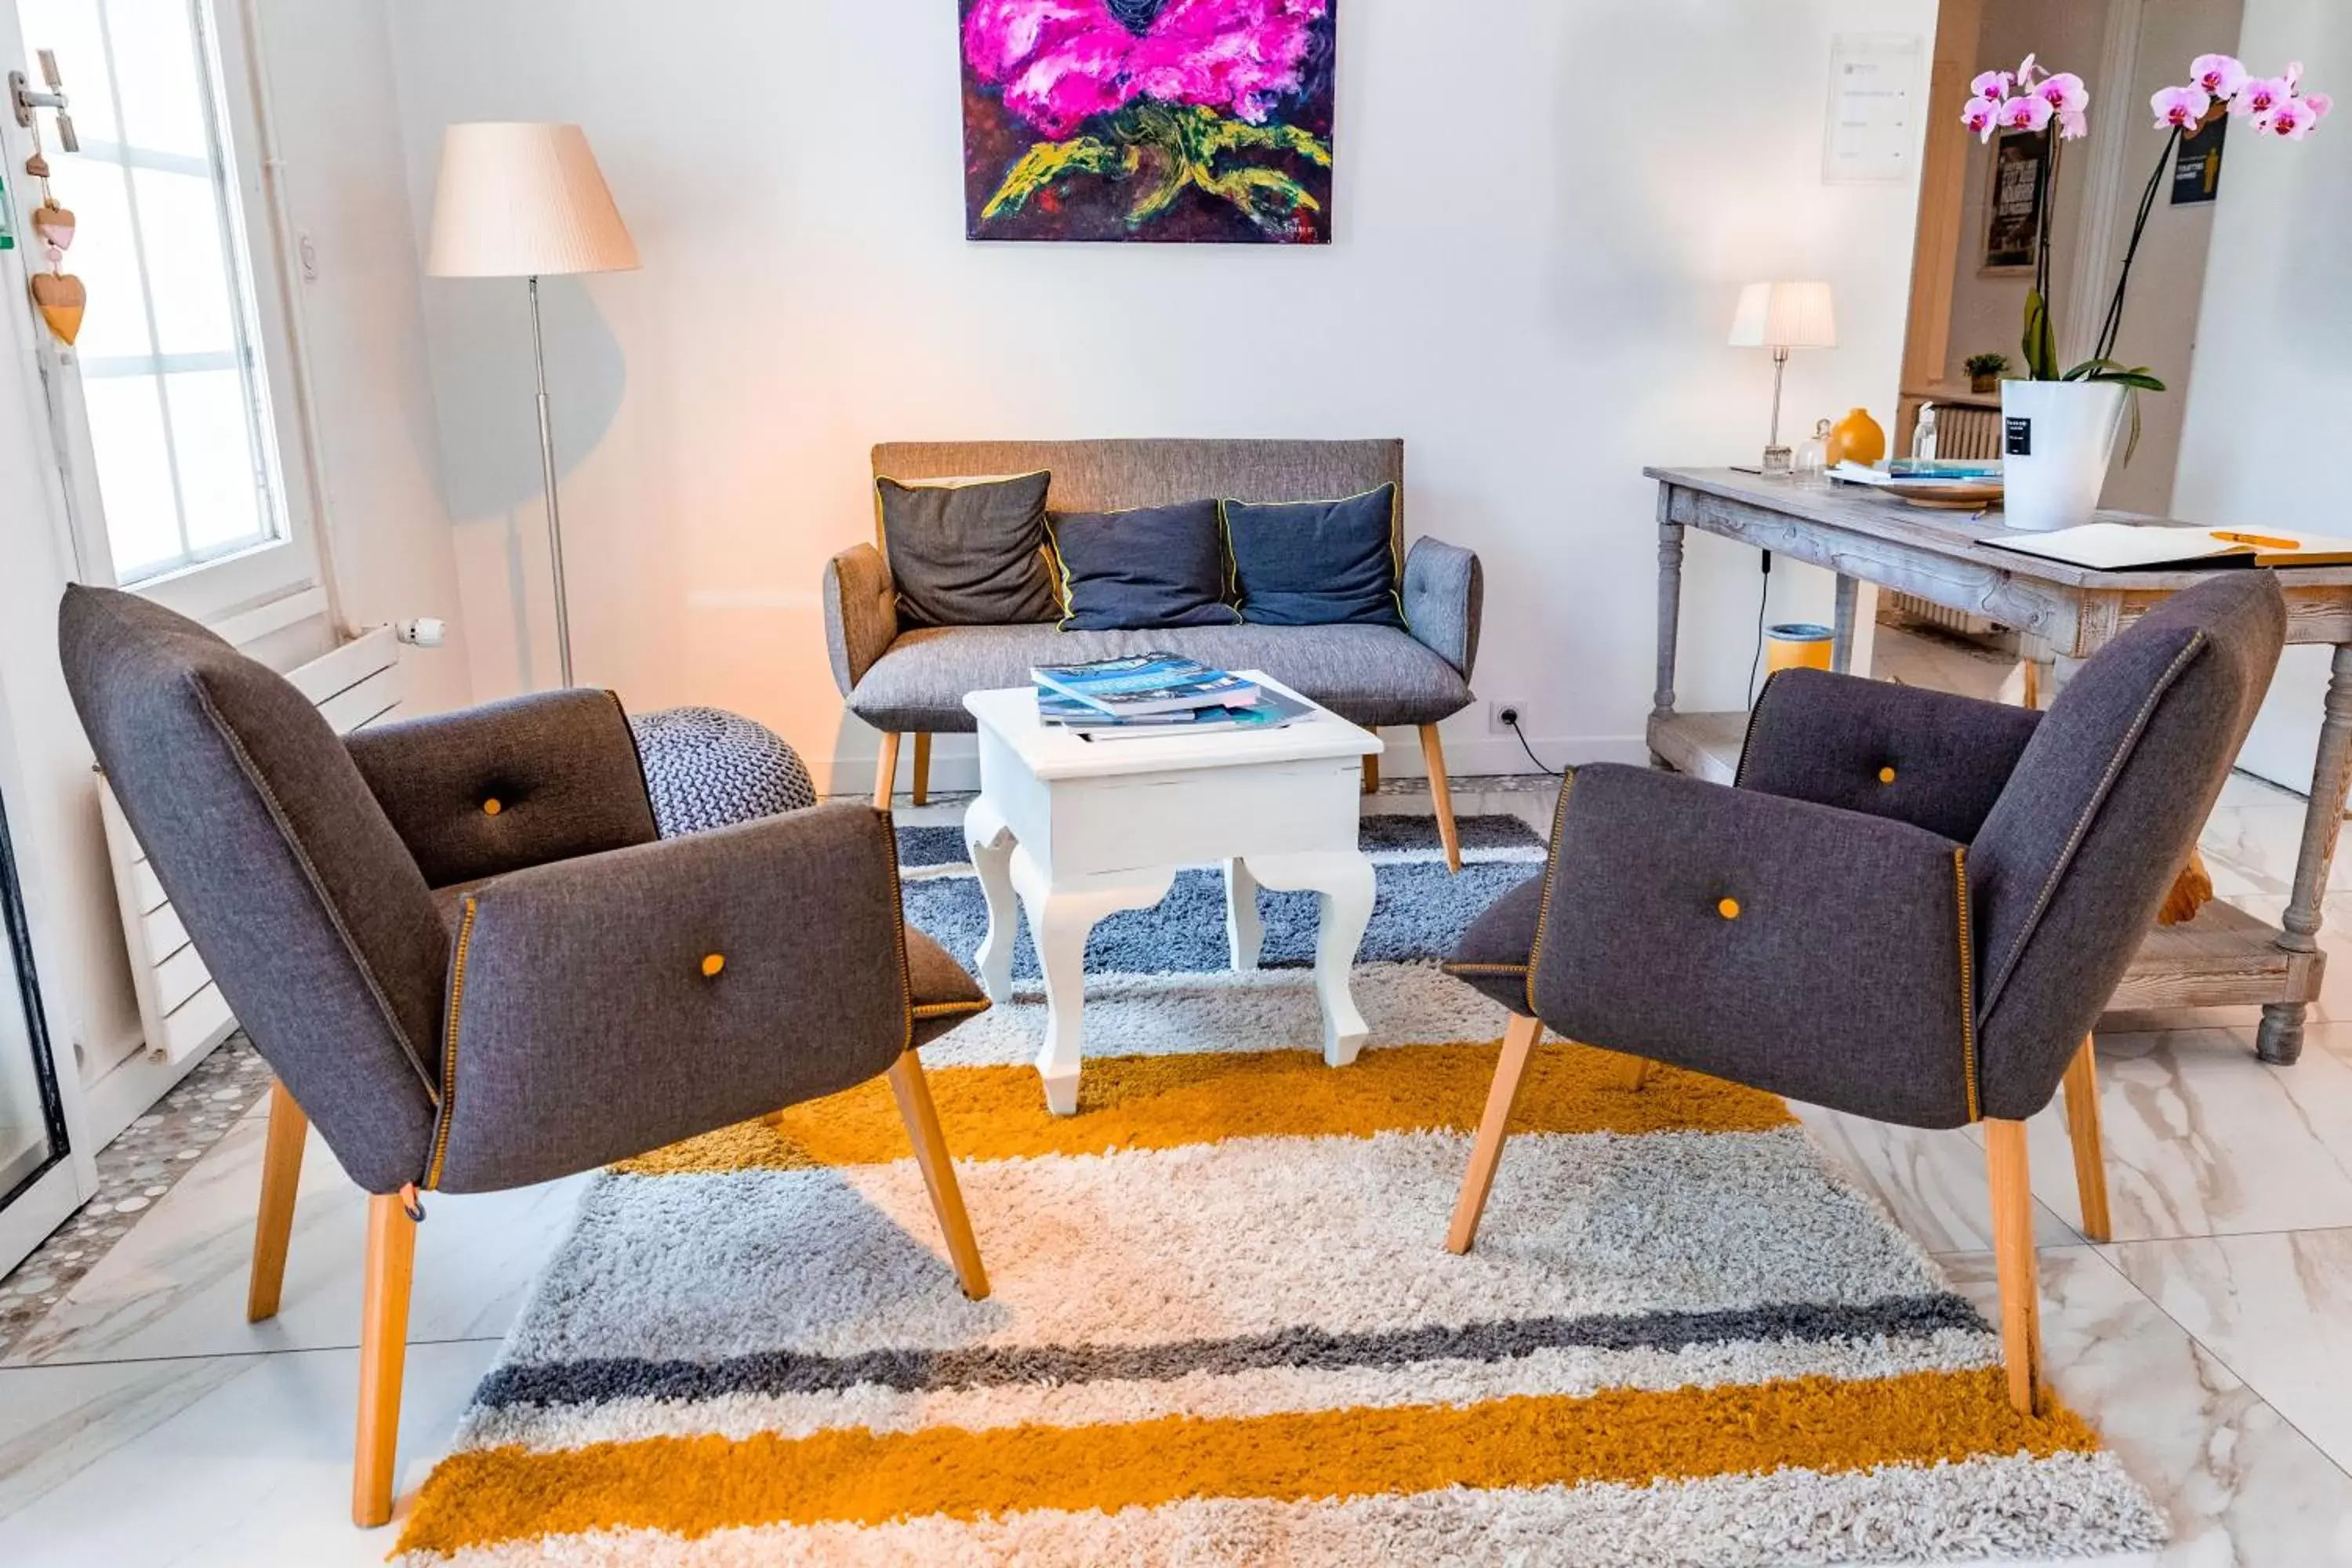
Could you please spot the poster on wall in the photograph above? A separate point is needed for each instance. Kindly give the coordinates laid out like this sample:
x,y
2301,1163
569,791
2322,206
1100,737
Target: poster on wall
x,y
2013,203
2196,164
1168,121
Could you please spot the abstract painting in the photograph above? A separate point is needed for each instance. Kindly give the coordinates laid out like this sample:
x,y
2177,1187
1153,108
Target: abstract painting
x,y
1174,121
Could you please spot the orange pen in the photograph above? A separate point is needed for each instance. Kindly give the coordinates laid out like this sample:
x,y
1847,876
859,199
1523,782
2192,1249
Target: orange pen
x,y
2259,541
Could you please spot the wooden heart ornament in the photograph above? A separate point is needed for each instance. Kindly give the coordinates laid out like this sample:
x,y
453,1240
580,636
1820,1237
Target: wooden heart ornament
x,y
61,299
55,224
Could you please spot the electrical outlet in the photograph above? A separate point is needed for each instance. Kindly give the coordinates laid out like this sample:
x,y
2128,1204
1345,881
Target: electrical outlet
x,y
1502,716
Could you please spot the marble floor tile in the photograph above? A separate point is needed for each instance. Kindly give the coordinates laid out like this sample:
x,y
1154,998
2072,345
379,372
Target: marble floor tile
x,y
217,1460
176,1286
2276,1309
1932,1184
2242,1488
2203,1140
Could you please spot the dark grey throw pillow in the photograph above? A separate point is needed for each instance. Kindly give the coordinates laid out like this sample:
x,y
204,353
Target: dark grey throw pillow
x,y
1315,562
967,552
1152,567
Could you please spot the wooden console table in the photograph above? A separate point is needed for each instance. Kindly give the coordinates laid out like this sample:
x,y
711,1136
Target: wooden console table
x,y
2225,957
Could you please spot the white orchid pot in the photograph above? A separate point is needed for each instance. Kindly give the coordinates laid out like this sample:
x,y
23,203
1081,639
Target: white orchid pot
x,y
2057,439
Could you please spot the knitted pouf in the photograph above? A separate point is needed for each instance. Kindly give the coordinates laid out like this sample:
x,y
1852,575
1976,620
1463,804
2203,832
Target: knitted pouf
x,y
706,767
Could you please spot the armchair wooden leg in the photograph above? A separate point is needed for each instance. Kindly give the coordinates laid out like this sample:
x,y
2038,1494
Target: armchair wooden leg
x,y
922,1118
2082,1127
886,770
1372,773
1637,1072
281,1174
2013,1247
1518,1044
384,1356
1441,795
923,768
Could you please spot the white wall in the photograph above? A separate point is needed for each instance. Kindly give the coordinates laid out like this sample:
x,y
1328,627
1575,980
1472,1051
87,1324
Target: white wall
x,y
1533,278
2273,391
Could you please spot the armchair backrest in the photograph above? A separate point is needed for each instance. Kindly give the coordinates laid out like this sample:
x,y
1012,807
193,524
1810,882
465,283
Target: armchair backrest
x,y
2098,817
312,917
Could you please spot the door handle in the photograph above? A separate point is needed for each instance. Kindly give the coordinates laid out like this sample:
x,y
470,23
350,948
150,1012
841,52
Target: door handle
x,y
26,101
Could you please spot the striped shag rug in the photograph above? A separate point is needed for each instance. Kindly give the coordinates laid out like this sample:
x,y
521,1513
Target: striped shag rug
x,y
1225,1327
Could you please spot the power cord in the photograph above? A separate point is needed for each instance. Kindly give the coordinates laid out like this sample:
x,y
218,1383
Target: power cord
x,y
1513,721
1763,598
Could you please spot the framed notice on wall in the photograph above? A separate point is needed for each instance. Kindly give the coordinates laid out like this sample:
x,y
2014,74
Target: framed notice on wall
x,y
2197,167
2013,202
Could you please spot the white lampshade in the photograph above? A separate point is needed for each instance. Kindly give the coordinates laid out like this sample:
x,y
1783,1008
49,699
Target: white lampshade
x,y
522,200
1785,316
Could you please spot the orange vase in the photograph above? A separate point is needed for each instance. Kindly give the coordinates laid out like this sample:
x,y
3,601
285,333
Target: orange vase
x,y
1857,438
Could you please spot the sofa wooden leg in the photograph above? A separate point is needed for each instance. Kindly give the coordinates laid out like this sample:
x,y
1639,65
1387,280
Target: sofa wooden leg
x,y
384,1356
886,770
1519,1045
923,768
1441,795
922,1118
2013,1247
2082,1127
1371,772
273,1226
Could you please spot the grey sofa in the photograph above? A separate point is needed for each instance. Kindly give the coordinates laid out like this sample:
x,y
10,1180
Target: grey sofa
x,y
1913,906
914,682
471,963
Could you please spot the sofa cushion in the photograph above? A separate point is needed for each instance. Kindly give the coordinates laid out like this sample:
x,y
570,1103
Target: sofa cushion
x,y
1369,674
1316,563
1151,566
967,552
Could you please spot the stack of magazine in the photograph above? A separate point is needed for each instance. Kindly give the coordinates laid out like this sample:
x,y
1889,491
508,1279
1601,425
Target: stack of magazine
x,y
1155,694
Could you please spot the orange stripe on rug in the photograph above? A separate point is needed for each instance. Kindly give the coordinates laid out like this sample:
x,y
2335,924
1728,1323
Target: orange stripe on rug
x,y
692,1485
1166,1101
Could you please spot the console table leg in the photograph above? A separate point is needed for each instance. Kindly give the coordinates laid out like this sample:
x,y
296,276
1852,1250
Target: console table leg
x,y
1841,625
1670,610
2280,1038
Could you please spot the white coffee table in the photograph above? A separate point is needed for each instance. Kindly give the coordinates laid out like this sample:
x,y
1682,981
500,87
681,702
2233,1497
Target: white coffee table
x,y
1081,828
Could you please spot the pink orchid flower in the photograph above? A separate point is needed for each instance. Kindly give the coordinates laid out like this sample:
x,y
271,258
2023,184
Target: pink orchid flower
x,y
2026,115
2181,108
2260,95
1982,117
2294,118
2073,125
2029,73
2064,93
2220,76
1992,87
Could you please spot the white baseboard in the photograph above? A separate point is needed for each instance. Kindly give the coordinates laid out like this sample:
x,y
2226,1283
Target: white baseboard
x,y
955,763
131,1088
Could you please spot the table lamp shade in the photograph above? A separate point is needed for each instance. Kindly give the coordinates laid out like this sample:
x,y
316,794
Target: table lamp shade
x,y
523,200
1785,316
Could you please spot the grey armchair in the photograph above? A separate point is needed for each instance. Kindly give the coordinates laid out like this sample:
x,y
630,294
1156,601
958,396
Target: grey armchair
x,y
470,962
1913,906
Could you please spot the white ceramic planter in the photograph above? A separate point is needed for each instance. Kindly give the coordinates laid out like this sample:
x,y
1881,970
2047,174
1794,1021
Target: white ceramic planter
x,y
2057,438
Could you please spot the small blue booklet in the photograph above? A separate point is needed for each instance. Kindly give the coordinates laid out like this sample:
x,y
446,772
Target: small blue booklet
x,y
1145,684
1272,710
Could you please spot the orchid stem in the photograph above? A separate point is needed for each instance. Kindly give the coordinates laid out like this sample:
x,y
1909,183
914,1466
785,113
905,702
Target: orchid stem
x,y
2114,322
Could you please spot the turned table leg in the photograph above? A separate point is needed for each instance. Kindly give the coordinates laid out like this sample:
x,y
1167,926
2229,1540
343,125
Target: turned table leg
x,y
1849,592
2280,1038
1670,610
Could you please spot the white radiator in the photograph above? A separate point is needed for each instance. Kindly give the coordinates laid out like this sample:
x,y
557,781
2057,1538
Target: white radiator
x,y
180,1008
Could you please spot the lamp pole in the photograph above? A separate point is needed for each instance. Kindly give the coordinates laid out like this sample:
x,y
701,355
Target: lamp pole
x,y
1777,459
555,512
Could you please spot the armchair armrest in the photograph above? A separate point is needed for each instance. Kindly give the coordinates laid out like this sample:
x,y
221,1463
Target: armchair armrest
x,y
1928,758
1819,954
492,789
861,612
1444,594
604,1006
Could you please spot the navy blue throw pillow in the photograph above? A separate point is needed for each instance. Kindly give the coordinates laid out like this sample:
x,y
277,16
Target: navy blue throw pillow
x,y
1132,570
1317,562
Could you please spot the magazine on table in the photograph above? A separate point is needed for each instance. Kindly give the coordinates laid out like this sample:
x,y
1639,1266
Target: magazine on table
x,y
1272,710
1145,683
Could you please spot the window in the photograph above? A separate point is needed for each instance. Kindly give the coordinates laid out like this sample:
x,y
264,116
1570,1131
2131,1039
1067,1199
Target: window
x,y
173,377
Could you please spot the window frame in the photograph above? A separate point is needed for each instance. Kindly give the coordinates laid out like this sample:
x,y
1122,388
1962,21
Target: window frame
x,y
251,576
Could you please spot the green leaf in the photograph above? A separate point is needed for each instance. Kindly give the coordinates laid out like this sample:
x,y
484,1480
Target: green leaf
x,y
2040,339
1050,160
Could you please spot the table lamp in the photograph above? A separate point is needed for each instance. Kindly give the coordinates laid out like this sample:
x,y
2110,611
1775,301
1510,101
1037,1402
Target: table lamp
x,y
1780,317
524,200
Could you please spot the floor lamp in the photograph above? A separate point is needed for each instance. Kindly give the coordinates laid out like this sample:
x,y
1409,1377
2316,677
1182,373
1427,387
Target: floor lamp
x,y
525,200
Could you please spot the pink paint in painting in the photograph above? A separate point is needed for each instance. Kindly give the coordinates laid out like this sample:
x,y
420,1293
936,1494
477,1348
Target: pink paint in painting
x,y
1062,62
